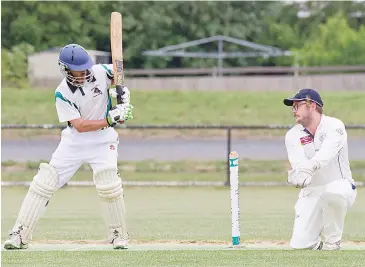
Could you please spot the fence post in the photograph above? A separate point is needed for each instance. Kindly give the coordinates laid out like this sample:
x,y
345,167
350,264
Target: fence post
x,y
229,137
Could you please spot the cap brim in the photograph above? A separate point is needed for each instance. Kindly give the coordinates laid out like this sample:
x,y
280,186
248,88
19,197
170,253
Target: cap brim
x,y
290,101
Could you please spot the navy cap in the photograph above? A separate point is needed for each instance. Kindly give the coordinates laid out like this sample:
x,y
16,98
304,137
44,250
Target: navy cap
x,y
305,94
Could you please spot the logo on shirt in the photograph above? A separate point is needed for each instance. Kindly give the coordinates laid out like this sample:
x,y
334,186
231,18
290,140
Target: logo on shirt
x,y
112,147
339,131
322,137
96,91
306,140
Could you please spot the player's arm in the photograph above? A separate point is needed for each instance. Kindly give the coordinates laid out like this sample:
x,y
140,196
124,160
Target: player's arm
x,y
68,112
332,144
334,141
296,156
295,150
117,115
82,125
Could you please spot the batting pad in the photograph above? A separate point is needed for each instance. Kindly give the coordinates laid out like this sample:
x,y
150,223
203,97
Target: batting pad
x,y
41,189
109,187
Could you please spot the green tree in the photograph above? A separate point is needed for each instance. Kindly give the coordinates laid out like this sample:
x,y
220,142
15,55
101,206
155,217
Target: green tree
x,y
14,65
335,43
149,25
152,25
291,25
48,24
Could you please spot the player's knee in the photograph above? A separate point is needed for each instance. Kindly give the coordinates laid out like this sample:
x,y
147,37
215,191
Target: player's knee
x,y
108,183
45,182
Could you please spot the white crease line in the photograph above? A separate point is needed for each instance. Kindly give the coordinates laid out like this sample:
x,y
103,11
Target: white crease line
x,y
87,246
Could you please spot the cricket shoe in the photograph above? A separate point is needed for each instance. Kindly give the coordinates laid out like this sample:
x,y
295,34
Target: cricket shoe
x,y
332,246
15,242
119,243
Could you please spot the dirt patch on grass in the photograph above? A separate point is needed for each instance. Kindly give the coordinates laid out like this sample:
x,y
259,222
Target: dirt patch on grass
x,y
182,242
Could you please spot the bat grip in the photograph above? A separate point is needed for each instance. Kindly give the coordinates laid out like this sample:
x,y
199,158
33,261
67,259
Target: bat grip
x,y
120,92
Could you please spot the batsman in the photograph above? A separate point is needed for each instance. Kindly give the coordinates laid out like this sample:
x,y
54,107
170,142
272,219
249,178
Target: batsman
x,y
82,100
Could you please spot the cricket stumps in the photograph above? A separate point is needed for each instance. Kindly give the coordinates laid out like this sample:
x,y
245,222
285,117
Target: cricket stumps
x,y
234,188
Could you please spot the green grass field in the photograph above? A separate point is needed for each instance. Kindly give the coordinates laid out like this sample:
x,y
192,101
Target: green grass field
x,y
250,171
262,258
178,215
189,107
184,215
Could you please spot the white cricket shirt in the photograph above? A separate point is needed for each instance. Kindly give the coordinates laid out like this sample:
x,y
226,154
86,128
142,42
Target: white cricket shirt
x,y
328,146
91,102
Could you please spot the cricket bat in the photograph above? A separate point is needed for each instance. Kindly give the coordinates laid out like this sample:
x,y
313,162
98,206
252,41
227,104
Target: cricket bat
x,y
116,48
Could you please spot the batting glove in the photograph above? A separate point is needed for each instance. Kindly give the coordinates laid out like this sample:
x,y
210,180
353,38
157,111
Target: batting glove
x,y
119,113
125,96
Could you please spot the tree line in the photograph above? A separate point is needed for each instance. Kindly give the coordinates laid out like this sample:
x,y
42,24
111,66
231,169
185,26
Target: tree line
x,y
320,33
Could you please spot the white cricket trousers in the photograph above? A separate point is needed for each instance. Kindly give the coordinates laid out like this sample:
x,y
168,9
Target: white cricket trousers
x,y
321,210
97,148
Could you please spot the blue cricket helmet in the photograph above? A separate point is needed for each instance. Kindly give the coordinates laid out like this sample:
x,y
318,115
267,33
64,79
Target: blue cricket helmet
x,y
74,57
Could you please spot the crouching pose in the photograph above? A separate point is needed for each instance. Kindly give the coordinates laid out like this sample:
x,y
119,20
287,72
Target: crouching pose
x,y
83,101
318,153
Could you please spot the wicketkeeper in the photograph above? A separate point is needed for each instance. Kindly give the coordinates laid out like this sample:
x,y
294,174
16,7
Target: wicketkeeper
x,y
83,101
318,153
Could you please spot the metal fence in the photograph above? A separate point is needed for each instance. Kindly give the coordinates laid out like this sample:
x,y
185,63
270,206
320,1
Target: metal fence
x,y
227,128
260,70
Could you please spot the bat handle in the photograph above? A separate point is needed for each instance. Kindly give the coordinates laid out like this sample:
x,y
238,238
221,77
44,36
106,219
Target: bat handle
x,y
120,92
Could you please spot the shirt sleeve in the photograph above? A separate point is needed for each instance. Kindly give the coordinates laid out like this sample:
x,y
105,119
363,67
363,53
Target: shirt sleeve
x,y
108,72
66,110
334,141
295,150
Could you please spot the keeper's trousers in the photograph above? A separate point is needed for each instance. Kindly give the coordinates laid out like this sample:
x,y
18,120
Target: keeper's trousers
x,y
321,210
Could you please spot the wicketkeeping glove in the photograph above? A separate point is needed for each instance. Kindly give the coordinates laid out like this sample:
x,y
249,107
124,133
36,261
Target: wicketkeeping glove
x,y
299,179
302,175
119,113
125,97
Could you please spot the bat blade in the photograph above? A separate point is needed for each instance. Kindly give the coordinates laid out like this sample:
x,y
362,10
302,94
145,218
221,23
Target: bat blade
x,y
116,48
